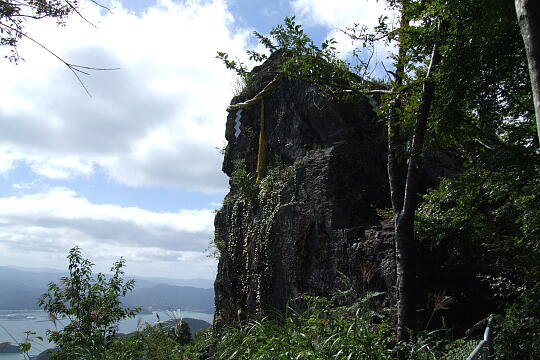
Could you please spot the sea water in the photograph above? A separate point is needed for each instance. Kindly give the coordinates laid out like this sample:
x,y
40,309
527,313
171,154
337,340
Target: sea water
x,y
13,324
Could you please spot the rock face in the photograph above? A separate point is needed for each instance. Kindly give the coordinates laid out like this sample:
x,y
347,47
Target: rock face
x,y
314,214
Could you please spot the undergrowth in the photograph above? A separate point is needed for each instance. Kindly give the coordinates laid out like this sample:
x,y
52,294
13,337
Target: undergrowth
x,y
318,329
345,326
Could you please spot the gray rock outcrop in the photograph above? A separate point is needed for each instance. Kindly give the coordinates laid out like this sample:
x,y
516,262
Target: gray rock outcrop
x,y
315,213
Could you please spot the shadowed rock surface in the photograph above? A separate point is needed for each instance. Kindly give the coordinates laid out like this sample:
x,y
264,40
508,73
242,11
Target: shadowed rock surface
x,y
314,214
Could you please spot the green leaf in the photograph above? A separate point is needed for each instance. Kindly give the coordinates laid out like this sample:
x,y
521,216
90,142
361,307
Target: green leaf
x,y
25,347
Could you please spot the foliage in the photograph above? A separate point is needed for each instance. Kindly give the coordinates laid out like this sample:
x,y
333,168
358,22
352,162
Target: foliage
x,y
14,14
485,223
300,58
148,343
342,327
243,84
177,328
278,175
238,66
91,304
244,80
320,331
151,342
200,347
334,328
480,118
516,334
223,151
216,247
491,211
486,95
482,103
485,219
243,181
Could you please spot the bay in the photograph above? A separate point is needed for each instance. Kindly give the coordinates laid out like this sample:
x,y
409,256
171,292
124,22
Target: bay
x,y
13,324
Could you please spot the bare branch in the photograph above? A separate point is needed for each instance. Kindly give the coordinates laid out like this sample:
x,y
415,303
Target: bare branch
x,y
378,91
94,68
388,72
75,69
372,53
76,11
100,5
33,17
370,91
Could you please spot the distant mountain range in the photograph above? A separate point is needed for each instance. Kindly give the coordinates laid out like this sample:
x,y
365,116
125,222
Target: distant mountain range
x,y
20,288
45,274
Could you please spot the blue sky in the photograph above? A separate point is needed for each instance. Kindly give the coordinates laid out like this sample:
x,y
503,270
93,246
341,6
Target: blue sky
x,y
132,170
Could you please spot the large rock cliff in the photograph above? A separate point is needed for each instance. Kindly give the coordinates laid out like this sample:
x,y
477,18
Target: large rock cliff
x,y
315,211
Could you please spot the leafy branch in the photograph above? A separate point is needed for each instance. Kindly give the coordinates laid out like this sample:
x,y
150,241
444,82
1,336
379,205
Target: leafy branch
x,y
13,14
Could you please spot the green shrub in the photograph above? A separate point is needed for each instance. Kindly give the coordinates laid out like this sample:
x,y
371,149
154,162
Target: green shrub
x,y
320,331
516,333
244,183
161,342
151,343
216,246
485,223
91,305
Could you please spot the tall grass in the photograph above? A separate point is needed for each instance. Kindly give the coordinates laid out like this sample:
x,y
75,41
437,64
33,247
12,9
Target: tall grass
x,y
320,331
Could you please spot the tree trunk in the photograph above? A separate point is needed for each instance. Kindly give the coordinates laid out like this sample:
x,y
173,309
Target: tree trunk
x,y
404,281
528,14
406,275
406,249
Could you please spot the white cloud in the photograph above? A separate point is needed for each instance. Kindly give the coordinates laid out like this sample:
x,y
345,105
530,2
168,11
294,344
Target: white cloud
x,y
23,186
338,15
155,121
7,161
48,224
61,168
